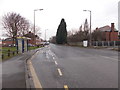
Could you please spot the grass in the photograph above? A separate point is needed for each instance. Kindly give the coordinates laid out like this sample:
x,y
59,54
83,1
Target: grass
x,y
31,48
5,51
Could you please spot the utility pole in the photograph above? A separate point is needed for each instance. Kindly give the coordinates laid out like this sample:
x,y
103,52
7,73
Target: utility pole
x,y
34,24
45,34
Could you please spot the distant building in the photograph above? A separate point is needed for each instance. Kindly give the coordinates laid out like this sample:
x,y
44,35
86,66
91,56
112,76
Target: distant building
x,y
111,33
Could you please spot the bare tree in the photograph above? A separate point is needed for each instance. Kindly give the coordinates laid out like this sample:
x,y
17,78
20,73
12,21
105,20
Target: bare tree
x,y
24,27
37,30
76,36
15,25
98,35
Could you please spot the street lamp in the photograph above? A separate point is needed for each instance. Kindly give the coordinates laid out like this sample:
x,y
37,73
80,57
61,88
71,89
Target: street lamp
x,y
45,34
34,23
90,28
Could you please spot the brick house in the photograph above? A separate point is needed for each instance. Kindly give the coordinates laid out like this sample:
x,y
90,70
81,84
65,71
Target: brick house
x,y
32,41
111,34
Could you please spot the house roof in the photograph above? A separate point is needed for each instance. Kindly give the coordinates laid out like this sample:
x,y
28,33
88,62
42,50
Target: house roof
x,y
106,28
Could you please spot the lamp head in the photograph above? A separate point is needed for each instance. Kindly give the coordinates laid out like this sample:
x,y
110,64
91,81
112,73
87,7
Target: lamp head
x,y
84,10
38,9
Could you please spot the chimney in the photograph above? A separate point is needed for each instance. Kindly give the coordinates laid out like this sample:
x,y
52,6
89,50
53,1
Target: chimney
x,y
112,27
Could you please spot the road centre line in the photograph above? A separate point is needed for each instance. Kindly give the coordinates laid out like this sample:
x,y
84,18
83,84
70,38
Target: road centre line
x,y
35,79
47,56
56,63
66,87
53,57
59,71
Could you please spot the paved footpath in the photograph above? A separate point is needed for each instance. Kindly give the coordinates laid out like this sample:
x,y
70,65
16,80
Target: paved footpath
x,y
13,71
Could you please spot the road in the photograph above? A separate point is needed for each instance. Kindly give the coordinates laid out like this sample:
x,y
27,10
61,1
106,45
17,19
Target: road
x,y
58,66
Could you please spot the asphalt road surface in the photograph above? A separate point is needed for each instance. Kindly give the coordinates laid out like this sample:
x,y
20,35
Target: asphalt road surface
x,y
59,66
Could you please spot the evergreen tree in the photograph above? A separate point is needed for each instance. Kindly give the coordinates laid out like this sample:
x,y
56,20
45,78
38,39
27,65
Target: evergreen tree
x,y
61,35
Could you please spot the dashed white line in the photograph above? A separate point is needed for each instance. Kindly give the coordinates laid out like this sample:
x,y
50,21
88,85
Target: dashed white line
x,y
53,57
56,63
47,56
59,71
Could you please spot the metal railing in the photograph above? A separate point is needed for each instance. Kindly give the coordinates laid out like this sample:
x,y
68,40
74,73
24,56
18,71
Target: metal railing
x,y
106,43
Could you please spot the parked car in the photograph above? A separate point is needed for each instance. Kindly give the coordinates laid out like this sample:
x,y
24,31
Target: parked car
x,y
47,43
31,45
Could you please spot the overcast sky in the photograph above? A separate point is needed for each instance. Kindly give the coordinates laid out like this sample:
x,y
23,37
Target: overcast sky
x,y
104,12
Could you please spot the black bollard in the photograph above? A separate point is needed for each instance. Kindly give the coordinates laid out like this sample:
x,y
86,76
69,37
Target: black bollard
x,y
8,53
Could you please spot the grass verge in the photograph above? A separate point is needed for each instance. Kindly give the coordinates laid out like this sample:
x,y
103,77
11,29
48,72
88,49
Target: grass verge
x,y
4,52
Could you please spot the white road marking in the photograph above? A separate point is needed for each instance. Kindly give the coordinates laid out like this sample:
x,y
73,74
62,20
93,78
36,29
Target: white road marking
x,y
59,71
47,56
53,57
109,57
56,63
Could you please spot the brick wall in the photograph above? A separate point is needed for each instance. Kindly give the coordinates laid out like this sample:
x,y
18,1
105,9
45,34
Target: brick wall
x,y
112,35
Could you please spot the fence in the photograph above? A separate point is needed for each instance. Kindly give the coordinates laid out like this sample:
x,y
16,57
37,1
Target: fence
x,y
98,43
106,43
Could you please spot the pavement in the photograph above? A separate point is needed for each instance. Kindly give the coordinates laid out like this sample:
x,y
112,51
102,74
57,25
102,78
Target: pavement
x,y
13,71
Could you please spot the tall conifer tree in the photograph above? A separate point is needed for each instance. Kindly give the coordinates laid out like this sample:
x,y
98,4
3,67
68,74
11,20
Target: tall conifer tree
x,y
61,35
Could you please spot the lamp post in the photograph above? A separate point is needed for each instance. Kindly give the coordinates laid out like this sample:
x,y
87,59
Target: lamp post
x,y
34,23
90,42
45,34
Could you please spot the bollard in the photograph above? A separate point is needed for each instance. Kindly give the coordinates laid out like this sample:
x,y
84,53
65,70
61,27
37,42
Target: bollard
x,y
17,51
8,53
2,56
13,53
